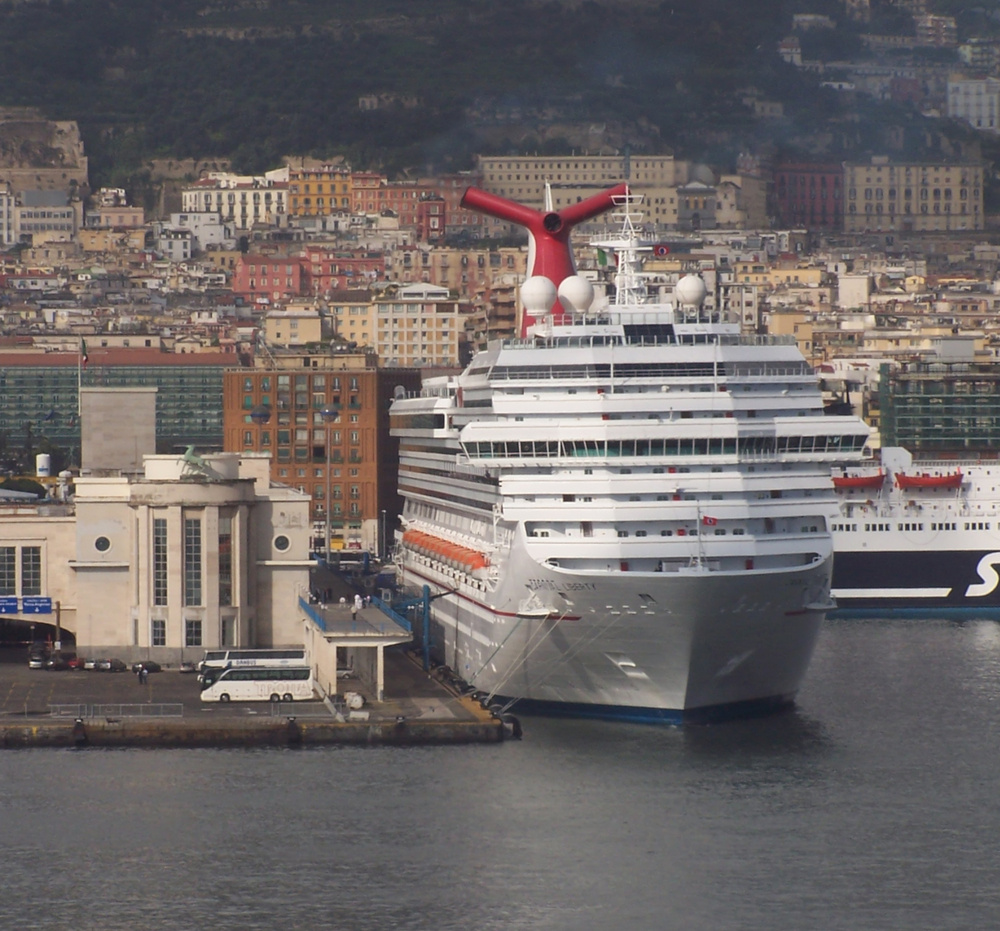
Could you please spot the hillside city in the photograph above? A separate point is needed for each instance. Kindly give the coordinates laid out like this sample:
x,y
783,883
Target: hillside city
x,y
885,269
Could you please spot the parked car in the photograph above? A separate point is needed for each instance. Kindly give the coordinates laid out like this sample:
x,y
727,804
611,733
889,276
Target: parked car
x,y
149,665
37,660
77,662
116,665
59,661
187,667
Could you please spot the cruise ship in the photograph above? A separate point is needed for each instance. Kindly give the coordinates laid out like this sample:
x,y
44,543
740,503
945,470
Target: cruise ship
x,y
918,537
623,512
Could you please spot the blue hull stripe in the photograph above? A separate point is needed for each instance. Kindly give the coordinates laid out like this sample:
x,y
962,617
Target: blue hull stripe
x,y
710,715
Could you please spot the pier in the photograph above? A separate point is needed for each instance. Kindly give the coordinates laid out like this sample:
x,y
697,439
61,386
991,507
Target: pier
x,y
85,708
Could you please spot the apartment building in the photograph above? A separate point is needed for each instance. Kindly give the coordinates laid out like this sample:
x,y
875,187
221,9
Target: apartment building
x,y
353,315
46,215
318,191
420,325
523,178
463,271
327,432
6,215
883,196
809,195
260,278
975,101
242,201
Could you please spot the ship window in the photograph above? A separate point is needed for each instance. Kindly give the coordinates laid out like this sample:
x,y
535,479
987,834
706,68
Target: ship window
x,y
738,531
666,533
623,533
640,533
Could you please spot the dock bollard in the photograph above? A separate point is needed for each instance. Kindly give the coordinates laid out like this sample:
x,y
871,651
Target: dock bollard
x,y
79,733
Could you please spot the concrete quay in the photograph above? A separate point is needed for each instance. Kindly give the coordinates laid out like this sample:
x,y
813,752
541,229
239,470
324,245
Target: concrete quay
x,y
85,708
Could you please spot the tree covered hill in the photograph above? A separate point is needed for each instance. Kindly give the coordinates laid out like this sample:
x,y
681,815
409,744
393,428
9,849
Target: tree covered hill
x,y
254,80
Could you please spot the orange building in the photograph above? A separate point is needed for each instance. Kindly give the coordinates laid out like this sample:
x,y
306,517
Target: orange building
x,y
327,430
319,191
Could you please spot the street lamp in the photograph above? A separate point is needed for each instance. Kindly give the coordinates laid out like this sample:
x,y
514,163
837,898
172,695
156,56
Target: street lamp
x,y
329,415
381,538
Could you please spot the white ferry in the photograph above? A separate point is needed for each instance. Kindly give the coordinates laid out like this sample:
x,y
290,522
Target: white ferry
x,y
918,537
624,512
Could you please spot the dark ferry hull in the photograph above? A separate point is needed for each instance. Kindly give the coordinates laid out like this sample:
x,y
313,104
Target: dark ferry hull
x,y
932,583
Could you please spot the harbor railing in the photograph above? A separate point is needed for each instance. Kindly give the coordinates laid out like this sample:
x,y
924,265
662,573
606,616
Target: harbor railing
x,y
118,711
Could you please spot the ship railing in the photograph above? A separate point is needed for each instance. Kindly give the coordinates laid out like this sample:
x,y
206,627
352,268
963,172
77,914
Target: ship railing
x,y
647,339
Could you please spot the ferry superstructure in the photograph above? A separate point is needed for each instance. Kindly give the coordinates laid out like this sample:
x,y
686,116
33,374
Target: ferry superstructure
x,y
624,512
918,537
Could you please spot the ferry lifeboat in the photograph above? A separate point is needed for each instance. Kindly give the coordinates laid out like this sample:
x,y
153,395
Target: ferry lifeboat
x,y
948,480
859,481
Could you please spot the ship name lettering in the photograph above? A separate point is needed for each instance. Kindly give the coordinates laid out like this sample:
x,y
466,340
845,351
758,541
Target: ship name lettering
x,y
536,585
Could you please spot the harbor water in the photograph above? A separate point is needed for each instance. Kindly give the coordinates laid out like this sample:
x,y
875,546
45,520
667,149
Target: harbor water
x,y
872,805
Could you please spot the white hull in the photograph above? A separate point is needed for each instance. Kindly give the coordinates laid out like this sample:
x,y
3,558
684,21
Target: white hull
x,y
660,646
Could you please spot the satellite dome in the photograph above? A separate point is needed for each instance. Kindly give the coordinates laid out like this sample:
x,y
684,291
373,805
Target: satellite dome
x,y
538,294
576,294
690,290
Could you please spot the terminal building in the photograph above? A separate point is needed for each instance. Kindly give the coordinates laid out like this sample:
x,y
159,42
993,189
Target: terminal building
x,y
188,554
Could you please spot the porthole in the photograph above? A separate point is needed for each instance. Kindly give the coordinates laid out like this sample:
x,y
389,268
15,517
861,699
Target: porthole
x,y
281,543
102,544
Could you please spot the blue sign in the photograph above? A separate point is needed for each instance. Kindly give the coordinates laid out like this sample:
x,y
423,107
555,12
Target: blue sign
x,y
36,604
8,604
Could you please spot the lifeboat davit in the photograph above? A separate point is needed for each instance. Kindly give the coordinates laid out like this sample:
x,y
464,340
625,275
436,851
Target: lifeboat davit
x,y
859,481
948,480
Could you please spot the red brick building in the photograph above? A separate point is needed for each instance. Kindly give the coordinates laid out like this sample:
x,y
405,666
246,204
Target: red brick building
x,y
265,279
809,195
325,270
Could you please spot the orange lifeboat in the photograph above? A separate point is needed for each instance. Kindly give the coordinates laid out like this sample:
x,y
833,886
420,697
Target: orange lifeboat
x,y
948,480
451,554
859,481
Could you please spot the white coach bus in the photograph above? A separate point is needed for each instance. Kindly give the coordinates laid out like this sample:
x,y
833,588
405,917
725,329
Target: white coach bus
x,y
281,656
257,683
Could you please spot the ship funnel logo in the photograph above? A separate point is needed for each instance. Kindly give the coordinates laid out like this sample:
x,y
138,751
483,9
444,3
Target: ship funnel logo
x,y
988,574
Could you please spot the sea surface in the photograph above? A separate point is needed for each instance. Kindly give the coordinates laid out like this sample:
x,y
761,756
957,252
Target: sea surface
x,y
875,804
